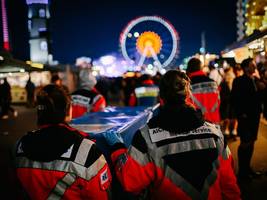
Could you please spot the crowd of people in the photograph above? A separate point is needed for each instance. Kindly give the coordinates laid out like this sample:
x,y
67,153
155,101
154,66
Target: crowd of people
x,y
195,116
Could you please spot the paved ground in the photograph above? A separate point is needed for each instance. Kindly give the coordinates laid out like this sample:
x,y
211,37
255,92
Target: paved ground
x,y
11,129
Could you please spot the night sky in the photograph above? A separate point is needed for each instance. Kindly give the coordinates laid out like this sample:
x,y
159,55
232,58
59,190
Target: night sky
x,y
92,27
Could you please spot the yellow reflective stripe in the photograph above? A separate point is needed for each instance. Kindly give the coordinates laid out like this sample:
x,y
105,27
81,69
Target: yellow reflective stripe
x,y
64,166
61,187
83,151
146,92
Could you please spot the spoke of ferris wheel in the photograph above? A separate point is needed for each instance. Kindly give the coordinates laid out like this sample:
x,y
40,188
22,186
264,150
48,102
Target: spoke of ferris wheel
x,y
154,55
143,57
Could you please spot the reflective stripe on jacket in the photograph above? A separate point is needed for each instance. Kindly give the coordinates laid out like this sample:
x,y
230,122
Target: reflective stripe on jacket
x,y
205,96
85,101
81,172
165,165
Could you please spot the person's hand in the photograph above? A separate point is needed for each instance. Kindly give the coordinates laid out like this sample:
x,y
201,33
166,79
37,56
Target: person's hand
x,y
112,137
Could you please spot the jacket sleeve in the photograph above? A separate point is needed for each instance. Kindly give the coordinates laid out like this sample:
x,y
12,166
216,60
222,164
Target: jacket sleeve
x,y
228,183
134,169
96,185
99,103
132,100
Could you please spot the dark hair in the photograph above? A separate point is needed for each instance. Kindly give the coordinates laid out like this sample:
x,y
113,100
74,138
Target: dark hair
x,y
145,77
54,78
53,103
245,63
194,64
172,87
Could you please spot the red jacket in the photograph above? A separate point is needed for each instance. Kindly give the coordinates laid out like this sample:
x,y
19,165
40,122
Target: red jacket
x,y
205,96
85,101
192,164
58,162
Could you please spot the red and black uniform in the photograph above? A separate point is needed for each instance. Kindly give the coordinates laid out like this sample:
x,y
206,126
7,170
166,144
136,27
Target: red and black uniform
x,y
85,101
58,162
171,161
145,95
205,96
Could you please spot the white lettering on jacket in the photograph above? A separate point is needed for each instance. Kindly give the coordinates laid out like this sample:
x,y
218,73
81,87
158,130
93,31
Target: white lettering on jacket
x,y
158,134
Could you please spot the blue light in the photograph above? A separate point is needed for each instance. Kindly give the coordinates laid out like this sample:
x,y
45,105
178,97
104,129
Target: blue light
x,y
36,1
202,50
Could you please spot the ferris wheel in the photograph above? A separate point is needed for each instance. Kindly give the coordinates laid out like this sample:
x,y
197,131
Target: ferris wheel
x,y
149,40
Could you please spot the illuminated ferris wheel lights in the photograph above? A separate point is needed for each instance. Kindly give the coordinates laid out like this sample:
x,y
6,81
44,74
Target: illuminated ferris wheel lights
x,y
150,71
138,68
129,35
109,70
94,73
107,60
136,34
156,63
148,43
150,66
150,47
162,71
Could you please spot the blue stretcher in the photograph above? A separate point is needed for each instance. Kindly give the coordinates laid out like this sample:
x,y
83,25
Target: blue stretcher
x,y
124,120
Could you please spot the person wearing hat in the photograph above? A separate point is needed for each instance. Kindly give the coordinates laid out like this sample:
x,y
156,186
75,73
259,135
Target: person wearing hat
x,y
86,99
176,155
57,161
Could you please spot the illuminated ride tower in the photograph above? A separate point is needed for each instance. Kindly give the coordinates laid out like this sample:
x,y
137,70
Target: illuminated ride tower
x,y
38,21
6,45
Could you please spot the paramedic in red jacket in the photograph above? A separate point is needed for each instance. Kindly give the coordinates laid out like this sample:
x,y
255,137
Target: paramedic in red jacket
x,y
204,91
177,155
57,161
146,94
87,99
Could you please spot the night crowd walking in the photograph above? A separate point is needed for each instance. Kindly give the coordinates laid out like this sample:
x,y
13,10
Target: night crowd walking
x,y
196,117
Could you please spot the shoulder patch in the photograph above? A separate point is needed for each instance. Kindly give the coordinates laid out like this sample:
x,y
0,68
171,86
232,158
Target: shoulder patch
x,y
104,179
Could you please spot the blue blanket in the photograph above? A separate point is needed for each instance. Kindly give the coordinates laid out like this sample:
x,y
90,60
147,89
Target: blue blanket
x,y
124,120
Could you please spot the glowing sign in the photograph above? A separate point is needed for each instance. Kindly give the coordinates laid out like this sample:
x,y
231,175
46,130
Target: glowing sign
x,y
36,1
35,65
5,26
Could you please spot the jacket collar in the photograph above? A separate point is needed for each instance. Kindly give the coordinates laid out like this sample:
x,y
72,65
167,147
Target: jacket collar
x,y
197,73
177,118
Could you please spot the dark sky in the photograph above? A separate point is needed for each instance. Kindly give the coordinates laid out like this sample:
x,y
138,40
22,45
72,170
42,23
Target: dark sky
x,y
92,27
